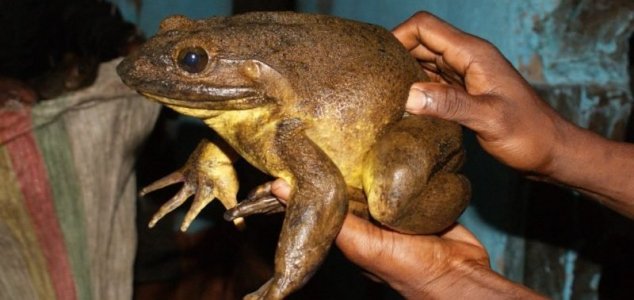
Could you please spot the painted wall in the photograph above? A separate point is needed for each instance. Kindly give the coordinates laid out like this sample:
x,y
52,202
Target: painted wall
x,y
149,15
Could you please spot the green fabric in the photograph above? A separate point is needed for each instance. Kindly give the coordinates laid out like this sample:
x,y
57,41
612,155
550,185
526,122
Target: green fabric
x,y
52,139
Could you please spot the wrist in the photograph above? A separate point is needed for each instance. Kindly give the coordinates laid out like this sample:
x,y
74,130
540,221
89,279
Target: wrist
x,y
596,166
566,142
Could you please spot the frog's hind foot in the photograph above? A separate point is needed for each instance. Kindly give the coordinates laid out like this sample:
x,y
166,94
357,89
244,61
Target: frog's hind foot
x,y
412,180
435,208
259,201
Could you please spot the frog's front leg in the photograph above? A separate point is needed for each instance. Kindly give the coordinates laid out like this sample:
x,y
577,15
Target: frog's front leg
x,y
209,174
314,214
410,176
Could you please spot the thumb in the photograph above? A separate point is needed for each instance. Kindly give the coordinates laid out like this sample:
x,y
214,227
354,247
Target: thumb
x,y
443,101
281,189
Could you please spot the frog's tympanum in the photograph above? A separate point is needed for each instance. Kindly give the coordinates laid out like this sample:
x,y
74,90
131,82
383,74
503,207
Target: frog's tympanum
x,y
317,101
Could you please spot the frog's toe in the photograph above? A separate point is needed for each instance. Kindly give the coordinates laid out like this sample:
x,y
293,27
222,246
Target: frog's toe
x,y
262,205
259,294
259,201
204,195
174,177
268,291
260,191
172,204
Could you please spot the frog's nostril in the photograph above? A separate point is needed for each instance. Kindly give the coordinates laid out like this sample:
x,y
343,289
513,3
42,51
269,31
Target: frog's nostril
x,y
192,60
123,68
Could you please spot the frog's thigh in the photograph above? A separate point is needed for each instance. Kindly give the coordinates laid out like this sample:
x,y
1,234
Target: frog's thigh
x,y
409,176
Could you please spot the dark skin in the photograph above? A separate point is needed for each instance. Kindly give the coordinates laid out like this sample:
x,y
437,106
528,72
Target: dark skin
x,y
474,85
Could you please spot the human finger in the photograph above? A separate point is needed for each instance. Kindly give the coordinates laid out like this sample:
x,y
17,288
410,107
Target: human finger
x,y
452,103
435,77
421,53
281,189
434,34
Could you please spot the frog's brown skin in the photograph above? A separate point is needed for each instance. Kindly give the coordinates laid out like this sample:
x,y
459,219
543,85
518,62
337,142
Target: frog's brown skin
x,y
315,100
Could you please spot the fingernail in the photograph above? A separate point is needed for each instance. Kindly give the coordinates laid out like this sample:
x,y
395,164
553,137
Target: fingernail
x,y
417,100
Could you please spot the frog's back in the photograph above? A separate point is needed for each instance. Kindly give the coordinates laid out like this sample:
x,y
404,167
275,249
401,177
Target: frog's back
x,y
352,78
335,65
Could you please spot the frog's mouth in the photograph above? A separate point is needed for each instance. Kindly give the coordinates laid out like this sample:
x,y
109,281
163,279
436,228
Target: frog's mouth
x,y
216,99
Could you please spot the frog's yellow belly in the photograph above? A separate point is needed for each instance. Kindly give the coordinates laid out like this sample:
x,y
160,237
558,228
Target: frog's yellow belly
x,y
252,134
346,148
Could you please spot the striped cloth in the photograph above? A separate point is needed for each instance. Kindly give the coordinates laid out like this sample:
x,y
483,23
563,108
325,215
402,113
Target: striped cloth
x,y
67,192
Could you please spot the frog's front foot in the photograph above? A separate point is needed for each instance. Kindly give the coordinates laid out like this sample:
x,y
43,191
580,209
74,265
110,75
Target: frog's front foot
x,y
185,192
208,174
259,201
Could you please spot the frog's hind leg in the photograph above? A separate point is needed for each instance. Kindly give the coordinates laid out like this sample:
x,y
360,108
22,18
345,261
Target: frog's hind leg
x,y
314,214
409,176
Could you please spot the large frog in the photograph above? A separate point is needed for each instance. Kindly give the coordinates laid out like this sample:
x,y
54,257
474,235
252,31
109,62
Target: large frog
x,y
317,101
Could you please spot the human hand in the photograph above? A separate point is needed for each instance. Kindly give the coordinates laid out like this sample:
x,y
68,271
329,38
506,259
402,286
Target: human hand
x,y
413,265
448,265
474,85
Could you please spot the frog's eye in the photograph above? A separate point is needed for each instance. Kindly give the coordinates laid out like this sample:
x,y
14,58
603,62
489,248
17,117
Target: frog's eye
x,y
192,60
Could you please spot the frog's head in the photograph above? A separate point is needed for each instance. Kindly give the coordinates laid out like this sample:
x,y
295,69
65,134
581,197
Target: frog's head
x,y
201,66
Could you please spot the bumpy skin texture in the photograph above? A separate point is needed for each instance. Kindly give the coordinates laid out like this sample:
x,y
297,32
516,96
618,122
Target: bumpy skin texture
x,y
317,101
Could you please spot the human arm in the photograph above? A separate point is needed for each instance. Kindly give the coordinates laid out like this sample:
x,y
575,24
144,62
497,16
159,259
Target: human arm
x,y
474,85
451,265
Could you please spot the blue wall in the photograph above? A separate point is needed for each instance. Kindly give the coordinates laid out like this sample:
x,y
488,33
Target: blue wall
x,y
153,11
